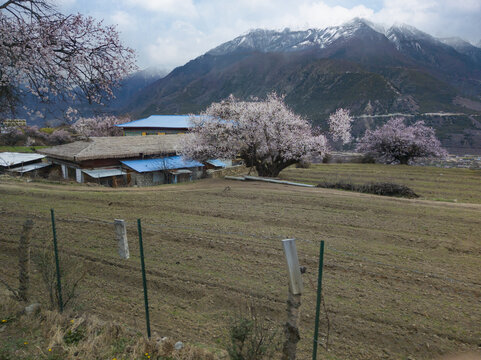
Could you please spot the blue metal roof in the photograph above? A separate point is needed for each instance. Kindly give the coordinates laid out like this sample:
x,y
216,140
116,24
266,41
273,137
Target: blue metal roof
x,y
216,162
160,121
166,163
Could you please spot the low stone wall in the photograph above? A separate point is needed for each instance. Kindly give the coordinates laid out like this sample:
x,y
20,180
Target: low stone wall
x,y
230,171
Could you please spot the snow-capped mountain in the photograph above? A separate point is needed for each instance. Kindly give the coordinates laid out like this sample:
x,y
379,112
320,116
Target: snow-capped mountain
x,y
286,40
402,36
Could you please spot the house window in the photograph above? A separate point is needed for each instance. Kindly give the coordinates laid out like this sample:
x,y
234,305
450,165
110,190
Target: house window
x,y
161,133
144,133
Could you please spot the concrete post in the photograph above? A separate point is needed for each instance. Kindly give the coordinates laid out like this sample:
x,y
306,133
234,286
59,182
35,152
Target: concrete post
x,y
79,176
291,328
64,171
121,235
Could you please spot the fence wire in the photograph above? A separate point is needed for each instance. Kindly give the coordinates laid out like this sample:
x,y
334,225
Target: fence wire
x,y
160,228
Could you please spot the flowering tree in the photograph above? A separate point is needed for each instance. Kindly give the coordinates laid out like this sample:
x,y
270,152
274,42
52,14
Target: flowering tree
x,y
60,136
265,134
99,126
394,142
32,135
57,57
340,125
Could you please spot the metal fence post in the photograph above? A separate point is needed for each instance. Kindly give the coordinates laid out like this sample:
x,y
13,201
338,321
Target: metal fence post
x,y
318,303
57,265
144,279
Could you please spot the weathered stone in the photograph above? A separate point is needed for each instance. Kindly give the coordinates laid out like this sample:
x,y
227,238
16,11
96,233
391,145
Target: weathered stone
x,y
179,345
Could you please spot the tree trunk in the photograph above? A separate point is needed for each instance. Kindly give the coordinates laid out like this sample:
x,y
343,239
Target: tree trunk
x,y
24,261
291,329
272,169
404,160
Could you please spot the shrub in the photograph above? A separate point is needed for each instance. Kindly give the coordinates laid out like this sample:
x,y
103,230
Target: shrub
x,y
327,158
74,336
72,273
251,339
383,189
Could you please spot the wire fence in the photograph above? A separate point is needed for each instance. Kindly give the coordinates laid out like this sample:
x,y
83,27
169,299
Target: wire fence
x,y
184,258
161,229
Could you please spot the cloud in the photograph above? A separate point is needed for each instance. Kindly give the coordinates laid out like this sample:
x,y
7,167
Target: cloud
x,y
184,8
124,20
322,15
64,3
171,32
169,50
442,18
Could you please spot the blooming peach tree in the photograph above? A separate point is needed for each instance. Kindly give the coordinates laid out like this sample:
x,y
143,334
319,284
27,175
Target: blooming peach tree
x,y
340,125
99,126
265,134
394,142
57,57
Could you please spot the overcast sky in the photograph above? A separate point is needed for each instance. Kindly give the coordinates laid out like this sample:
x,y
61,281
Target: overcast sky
x,y
168,33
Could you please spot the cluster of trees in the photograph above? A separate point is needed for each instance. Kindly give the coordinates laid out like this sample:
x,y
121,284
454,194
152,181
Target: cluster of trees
x,y
82,128
269,136
33,135
265,134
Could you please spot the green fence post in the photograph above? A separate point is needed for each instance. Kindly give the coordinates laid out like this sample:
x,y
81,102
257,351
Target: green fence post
x,y
318,304
144,279
57,265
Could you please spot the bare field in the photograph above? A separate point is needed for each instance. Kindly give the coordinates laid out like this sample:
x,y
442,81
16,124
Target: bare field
x,y
402,277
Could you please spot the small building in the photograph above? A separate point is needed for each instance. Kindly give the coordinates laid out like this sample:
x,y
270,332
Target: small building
x,y
165,170
217,164
23,163
157,125
100,159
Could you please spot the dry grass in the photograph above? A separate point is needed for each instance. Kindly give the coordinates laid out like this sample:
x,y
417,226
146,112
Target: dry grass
x,y
51,335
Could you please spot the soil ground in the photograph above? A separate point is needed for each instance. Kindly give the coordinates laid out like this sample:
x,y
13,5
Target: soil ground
x,y
402,278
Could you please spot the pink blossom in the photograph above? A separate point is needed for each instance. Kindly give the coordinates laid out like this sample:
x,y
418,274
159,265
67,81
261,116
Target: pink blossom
x,y
394,142
340,125
57,57
265,134
99,126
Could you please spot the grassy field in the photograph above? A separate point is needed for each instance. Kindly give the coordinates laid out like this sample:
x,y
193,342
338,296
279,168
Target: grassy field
x,y
402,277
21,149
431,183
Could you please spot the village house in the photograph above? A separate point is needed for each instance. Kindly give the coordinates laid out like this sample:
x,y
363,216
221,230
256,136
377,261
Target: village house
x,y
157,125
124,160
23,163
